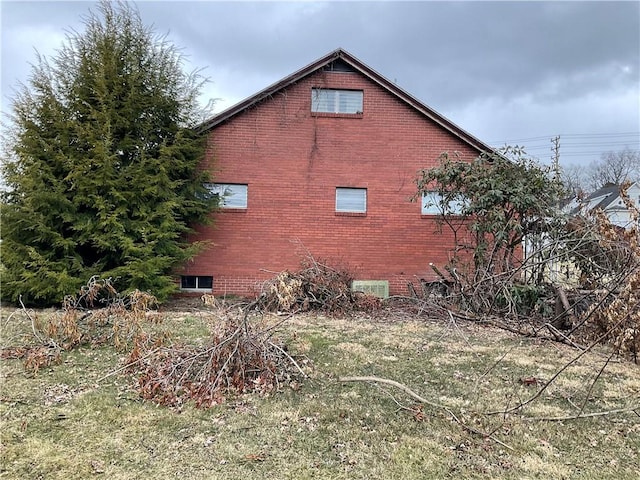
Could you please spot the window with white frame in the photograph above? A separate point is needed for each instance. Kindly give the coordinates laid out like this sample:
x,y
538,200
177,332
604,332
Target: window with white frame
x,y
232,195
352,200
433,204
327,100
196,283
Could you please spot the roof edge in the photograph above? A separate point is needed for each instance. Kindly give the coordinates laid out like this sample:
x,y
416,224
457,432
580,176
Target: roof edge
x,y
364,69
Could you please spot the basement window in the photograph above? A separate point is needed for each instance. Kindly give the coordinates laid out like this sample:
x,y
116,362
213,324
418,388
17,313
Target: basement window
x,y
193,283
233,195
351,200
327,100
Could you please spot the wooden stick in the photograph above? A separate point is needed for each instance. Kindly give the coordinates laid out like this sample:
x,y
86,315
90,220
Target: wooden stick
x,y
438,272
393,383
420,399
290,358
633,408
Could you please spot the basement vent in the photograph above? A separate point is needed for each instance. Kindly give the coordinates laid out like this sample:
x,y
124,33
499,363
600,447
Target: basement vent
x,y
379,288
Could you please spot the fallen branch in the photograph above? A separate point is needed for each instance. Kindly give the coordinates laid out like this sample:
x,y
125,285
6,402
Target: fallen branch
x,y
438,272
33,323
564,309
421,399
634,408
600,372
393,383
128,365
476,431
289,357
596,342
561,337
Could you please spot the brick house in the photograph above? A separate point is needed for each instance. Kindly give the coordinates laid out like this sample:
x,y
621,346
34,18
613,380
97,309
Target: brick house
x,y
323,163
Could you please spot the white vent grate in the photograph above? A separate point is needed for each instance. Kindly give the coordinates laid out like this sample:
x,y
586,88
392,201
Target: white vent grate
x,y
379,288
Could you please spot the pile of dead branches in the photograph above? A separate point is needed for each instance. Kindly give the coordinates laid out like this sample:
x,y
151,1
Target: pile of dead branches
x,y
618,321
614,314
610,282
315,287
578,283
240,357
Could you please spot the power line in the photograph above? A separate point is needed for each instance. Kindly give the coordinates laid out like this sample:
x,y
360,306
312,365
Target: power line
x,y
588,146
581,146
635,135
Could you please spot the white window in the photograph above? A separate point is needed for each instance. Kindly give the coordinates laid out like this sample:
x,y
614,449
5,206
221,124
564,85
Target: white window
x,y
351,200
327,100
433,204
196,283
233,195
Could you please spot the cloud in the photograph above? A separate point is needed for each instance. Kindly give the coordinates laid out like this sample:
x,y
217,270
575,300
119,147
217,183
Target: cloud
x,y
498,69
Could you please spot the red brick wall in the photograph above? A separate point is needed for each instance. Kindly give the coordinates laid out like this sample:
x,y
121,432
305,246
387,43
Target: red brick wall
x,y
292,162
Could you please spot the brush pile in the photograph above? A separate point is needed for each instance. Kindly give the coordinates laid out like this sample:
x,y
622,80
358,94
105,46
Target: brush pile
x,y
241,356
315,287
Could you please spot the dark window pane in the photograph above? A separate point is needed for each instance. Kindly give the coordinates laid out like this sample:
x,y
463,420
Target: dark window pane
x,y
188,281
205,282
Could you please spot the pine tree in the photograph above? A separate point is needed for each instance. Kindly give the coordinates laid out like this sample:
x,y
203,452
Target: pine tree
x,y
101,165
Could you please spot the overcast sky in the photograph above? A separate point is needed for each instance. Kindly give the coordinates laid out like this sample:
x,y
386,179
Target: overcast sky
x,y
506,72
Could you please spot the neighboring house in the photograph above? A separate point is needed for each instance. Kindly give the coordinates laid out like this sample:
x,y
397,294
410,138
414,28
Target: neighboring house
x,y
609,200
323,163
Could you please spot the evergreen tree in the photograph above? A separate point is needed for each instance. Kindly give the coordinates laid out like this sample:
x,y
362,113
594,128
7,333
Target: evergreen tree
x,y
101,165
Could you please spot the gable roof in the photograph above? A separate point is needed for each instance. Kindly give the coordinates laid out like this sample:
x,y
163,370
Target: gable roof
x,y
603,198
353,62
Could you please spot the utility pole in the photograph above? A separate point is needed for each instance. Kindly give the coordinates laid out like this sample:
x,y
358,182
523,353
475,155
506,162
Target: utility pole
x,y
555,157
555,160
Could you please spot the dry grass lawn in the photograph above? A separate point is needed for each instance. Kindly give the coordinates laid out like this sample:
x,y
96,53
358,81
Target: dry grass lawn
x,y
75,421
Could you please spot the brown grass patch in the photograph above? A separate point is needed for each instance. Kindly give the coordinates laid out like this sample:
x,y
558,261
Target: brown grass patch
x,y
71,422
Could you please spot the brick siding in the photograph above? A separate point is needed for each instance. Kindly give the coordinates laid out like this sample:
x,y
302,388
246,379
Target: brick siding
x,y
293,160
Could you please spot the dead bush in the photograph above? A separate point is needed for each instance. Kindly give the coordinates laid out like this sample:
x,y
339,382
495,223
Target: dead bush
x,y
96,315
597,299
615,318
34,357
315,287
615,315
41,356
